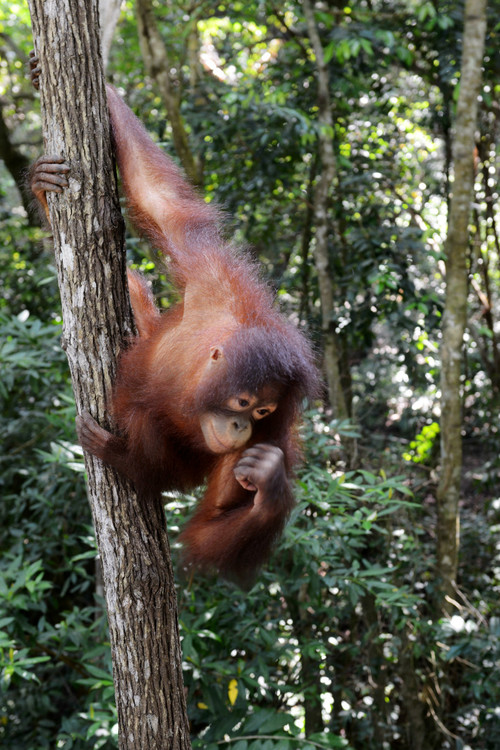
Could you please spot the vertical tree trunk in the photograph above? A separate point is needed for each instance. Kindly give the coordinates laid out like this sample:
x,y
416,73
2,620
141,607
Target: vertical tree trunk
x,y
157,63
309,671
323,226
109,13
454,319
17,164
88,238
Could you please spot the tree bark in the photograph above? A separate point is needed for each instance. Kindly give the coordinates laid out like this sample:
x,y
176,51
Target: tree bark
x,y
321,205
455,314
88,238
158,66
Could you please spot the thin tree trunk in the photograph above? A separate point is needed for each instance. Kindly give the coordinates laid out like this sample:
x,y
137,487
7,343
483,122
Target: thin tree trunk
x,y
17,164
109,13
412,719
321,203
309,669
157,63
88,238
306,239
455,315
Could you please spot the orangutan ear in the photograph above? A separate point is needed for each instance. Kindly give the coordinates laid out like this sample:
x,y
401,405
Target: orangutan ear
x,y
216,354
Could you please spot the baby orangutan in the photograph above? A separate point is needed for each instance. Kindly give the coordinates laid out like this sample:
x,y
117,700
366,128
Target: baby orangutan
x,y
210,390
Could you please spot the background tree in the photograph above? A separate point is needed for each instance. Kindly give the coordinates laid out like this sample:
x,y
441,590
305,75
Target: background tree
x,y
337,644
455,312
324,228
158,65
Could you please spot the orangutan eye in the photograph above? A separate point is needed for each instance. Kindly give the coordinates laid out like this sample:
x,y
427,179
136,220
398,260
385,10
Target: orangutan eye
x,y
241,402
264,411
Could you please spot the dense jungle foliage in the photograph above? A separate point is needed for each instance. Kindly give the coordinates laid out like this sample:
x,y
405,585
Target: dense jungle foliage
x,y
342,642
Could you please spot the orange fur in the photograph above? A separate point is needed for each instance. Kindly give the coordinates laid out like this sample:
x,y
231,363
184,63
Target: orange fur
x,y
165,379
223,339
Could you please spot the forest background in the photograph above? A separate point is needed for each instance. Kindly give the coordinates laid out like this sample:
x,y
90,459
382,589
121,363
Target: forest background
x,y
349,638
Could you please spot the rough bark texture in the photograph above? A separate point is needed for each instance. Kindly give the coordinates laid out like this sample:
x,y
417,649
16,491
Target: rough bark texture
x,y
321,203
456,298
88,238
157,63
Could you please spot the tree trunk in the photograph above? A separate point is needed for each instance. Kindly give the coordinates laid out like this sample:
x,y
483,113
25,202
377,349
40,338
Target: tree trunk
x,y
309,668
17,164
88,238
157,63
323,228
109,13
321,203
455,315
412,718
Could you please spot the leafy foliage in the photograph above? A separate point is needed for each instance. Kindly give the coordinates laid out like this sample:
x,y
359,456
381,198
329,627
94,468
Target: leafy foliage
x,y
338,644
